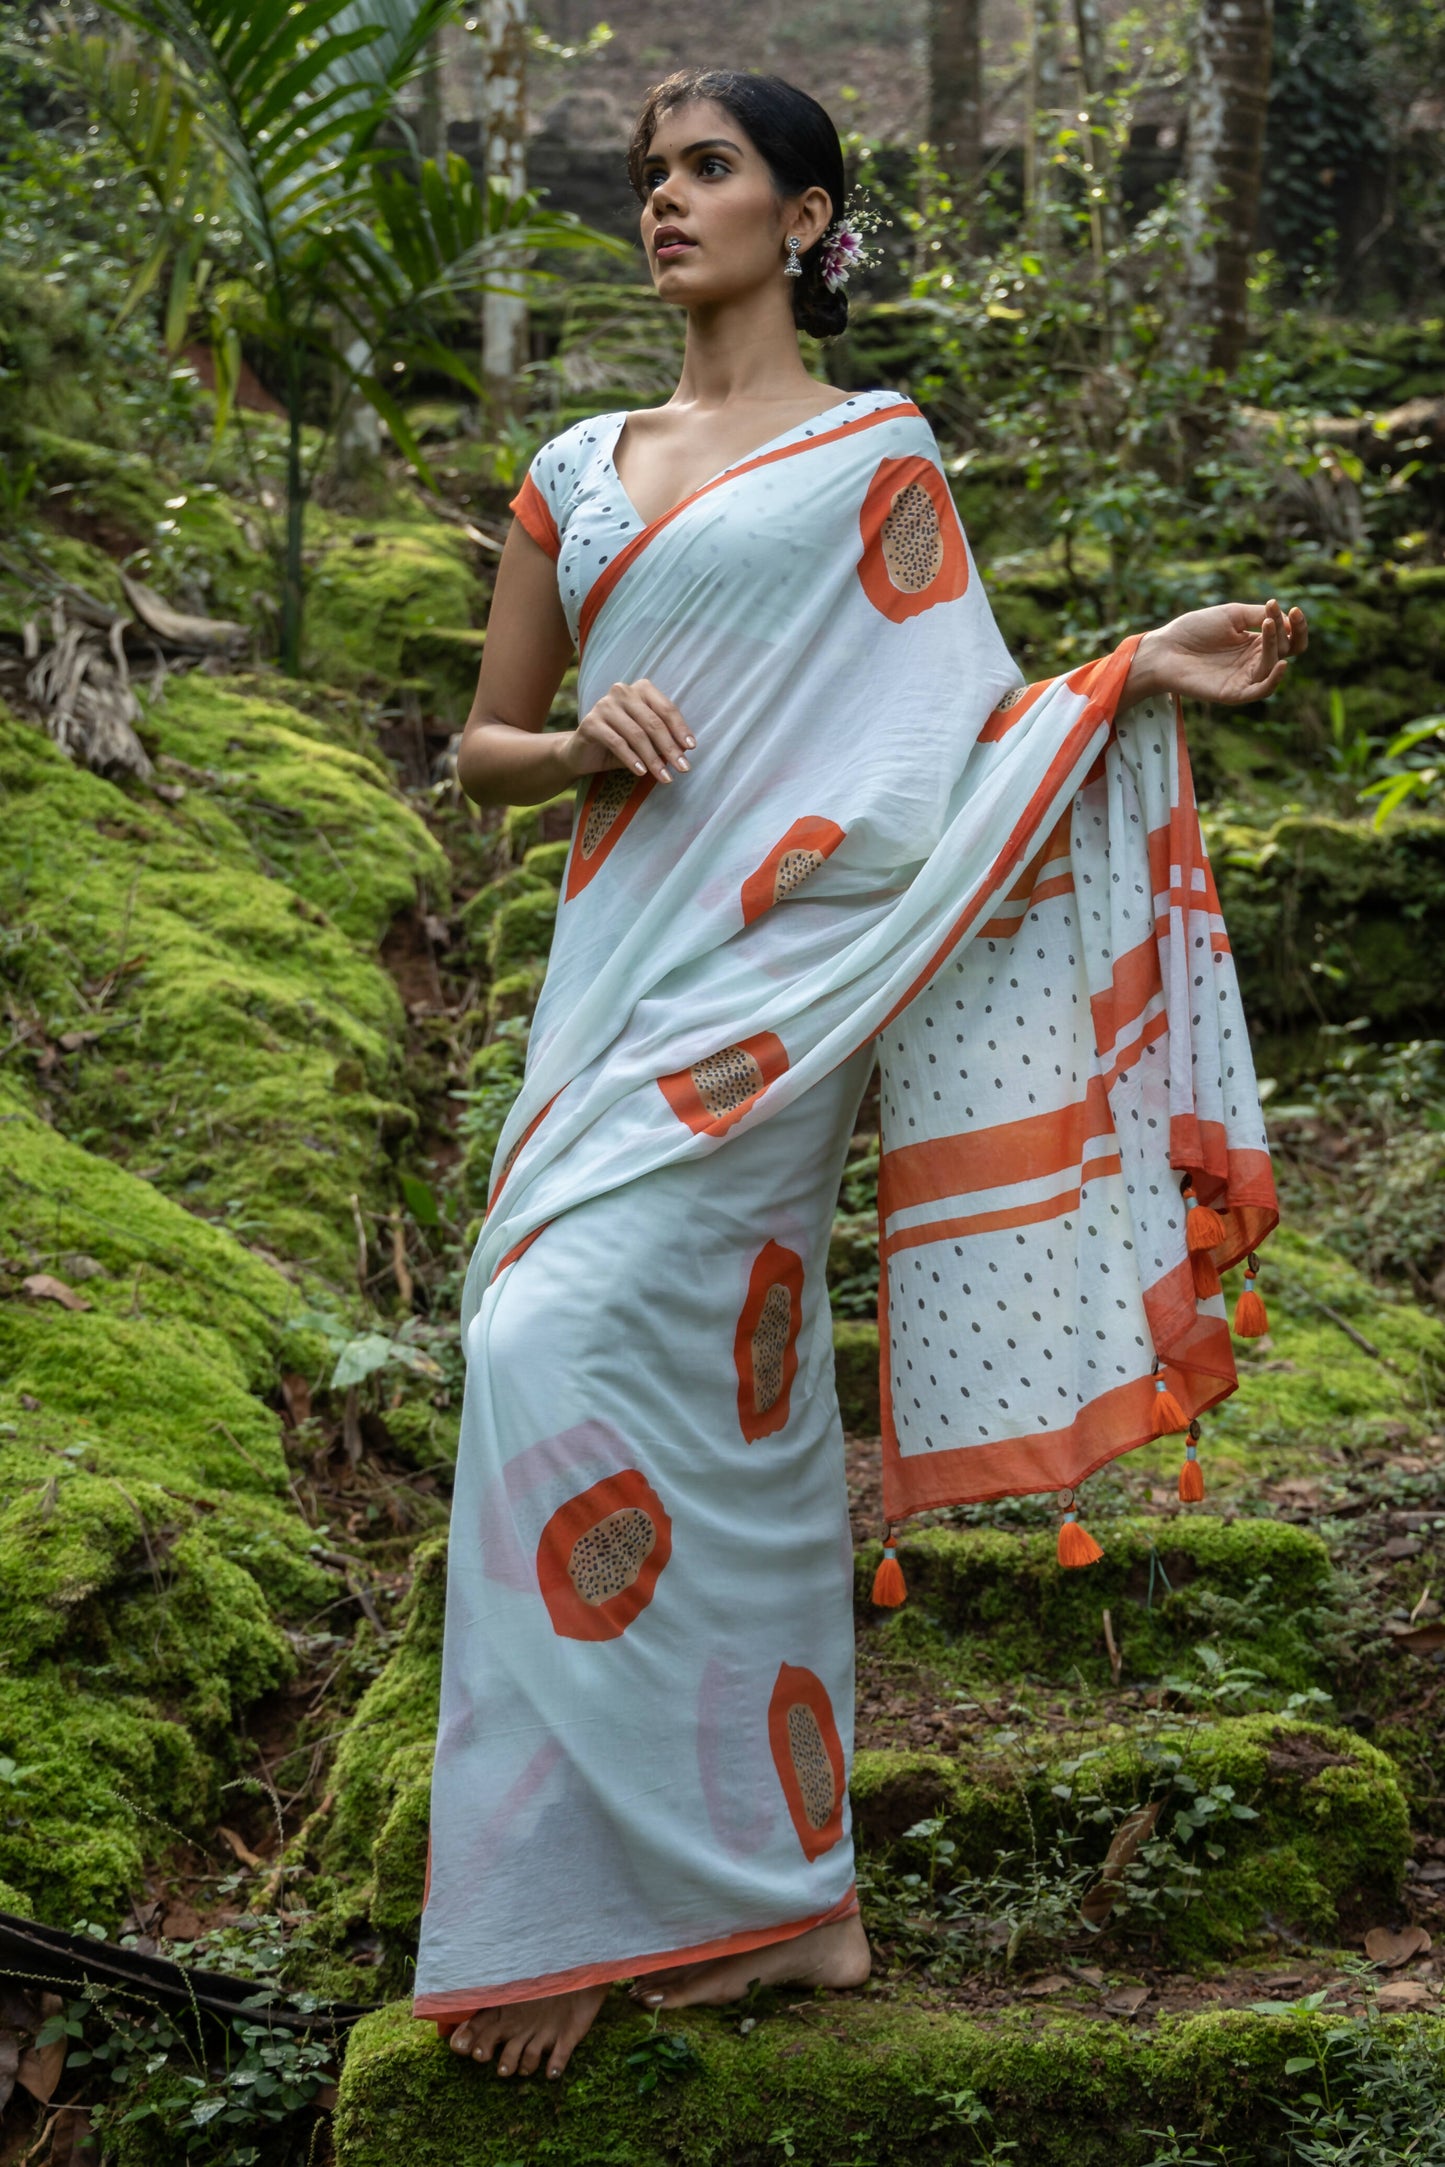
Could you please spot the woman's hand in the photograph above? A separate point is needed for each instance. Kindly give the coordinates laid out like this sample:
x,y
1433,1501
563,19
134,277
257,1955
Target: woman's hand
x,y
633,726
1236,652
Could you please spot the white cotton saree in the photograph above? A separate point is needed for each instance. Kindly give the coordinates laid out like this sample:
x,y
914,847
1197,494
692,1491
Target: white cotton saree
x,y
885,848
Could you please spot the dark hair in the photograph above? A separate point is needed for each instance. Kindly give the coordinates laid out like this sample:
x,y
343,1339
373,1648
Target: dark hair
x,y
797,142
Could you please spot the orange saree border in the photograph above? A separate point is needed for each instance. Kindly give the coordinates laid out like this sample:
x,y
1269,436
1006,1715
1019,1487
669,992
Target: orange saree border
x,y
452,2008
607,579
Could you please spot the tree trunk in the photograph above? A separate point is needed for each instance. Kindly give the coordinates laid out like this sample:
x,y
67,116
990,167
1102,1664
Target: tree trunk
x,y
1101,170
504,311
955,86
1045,92
1229,95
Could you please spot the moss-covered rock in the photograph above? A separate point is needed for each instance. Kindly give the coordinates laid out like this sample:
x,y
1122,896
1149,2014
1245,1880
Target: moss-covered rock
x,y
374,1847
986,1603
855,1357
147,1561
246,1047
380,596
1330,918
844,2080
1328,1827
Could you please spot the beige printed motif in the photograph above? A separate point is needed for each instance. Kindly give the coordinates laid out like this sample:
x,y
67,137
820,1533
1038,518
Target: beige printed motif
x,y
612,791
794,867
1011,699
811,1764
609,1557
912,540
770,1344
726,1080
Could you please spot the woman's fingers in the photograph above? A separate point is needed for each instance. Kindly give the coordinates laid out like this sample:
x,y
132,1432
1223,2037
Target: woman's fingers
x,y
658,744
682,736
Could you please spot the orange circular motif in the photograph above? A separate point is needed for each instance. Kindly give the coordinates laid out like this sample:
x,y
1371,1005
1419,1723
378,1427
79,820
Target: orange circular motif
x,y
601,1556
765,1347
808,1755
914,553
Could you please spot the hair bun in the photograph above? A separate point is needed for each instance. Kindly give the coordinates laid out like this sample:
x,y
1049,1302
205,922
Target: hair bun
x,y
819,312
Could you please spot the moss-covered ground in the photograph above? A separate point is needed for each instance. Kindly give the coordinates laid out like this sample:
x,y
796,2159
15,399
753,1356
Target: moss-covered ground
x,y
263,1026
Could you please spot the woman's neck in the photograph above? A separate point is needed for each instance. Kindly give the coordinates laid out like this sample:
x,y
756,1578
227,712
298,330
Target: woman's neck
x,y
742,353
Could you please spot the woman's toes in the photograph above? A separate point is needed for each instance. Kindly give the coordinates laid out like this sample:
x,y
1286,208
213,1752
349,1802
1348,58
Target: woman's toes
x,y
531,2055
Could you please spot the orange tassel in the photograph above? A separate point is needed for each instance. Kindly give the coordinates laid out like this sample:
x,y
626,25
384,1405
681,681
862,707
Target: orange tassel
x,y
1191,1477
889,1586
1206,1277
1203,1228
1169,1416
1250,1319
1076,1545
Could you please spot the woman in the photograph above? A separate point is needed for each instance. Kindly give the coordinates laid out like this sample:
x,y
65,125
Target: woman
x,y
820,823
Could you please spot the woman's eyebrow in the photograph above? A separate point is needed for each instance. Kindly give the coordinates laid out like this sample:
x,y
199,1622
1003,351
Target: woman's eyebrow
x,y
709,142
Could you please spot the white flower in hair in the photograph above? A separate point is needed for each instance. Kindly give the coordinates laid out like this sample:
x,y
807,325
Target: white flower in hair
x,y
841,250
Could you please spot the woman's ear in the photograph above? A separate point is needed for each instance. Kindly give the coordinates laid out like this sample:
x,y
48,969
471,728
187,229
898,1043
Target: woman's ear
x,y
811,212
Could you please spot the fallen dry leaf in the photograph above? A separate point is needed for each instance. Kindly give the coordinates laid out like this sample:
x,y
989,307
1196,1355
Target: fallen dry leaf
x,y
1126,2001
73,2144
181,1923
9,2064
1135,1829
1420,1639
1387,1948
45,1287
1405,1994
1053,1982
1093,1973
241,1848
40,2067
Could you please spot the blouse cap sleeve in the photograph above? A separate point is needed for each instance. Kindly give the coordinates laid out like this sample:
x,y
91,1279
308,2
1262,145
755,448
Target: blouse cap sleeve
x,y
541,502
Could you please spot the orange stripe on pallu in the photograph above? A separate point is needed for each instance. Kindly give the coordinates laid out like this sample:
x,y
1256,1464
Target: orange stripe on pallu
x,y
1008,1151
516,1151
535,515
1011,1215
627,556
461,2002
1134,983
518,1249
1024,832
1118,1421
1003,928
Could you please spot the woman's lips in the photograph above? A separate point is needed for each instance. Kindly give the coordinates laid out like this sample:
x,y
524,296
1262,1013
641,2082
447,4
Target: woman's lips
x,y
665,250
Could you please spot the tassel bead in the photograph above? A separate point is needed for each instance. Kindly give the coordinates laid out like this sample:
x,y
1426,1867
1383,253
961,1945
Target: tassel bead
x,y
889,1586
1169,1416
1250,1319
1076,1545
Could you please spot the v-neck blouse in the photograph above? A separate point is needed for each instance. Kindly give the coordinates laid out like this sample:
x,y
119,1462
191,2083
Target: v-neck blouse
x,y
574,505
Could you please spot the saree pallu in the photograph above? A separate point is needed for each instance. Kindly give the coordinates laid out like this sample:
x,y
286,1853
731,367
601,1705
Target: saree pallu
x,y
886,848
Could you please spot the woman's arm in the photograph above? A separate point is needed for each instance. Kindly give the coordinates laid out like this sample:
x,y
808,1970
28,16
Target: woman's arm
x,y
506,757
1238,651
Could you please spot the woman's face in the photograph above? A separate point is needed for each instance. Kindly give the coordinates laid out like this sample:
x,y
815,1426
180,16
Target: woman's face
x,y
712,223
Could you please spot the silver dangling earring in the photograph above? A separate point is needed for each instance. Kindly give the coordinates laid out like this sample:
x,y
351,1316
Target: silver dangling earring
x,y
792,268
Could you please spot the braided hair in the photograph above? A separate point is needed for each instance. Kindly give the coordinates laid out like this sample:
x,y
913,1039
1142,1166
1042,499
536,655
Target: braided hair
x,y
797,142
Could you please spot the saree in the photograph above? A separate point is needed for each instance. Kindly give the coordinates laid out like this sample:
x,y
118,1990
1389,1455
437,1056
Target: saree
x,y
886,850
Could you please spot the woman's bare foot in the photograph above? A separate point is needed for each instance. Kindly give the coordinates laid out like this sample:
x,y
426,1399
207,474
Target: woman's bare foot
x,y
524,2033
836,1955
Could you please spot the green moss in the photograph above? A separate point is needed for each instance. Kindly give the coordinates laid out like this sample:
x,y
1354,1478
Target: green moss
x,y
524,826
377,596
1331,1827
521,932
547,861
844,2079
248,1051
855,1356
375,1842
1330,919
985,1603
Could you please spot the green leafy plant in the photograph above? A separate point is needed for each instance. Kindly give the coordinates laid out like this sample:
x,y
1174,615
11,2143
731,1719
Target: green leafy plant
x,y
663,2057
279,218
